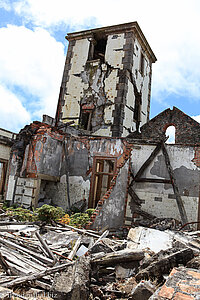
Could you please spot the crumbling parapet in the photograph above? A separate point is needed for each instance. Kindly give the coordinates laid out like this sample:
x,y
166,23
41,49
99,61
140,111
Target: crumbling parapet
x,y
186,128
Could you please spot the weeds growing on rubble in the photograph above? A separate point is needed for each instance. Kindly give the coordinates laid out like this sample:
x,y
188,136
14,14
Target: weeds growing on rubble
x,y
21,214
77,219
48,213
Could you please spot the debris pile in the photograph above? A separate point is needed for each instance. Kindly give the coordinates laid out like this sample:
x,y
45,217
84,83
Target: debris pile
x,y
64,262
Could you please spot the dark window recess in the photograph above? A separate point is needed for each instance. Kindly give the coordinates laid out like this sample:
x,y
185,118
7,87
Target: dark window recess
x,y
85,120
103,172
142,61
100,49
137,110
97,48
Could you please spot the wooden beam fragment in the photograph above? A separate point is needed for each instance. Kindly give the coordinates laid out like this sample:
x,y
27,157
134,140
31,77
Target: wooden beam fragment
x,y
35,276
149,160
67,227
119,256
175,187
45,246
134,196
75,248
154,180
23,249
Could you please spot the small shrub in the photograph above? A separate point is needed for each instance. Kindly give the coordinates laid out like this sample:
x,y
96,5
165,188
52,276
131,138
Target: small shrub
x,y
77,219
21,214
49,213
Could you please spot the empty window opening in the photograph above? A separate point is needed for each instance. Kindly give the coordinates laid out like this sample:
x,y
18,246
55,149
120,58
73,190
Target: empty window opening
x,y
85,120
142,63
98,47
170,132
137,110
102,175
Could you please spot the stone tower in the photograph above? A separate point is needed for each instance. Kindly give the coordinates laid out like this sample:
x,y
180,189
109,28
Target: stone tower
x,y
106,84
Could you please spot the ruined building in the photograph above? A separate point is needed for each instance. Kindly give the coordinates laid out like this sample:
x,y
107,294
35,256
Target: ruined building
x,y
106,84
101,150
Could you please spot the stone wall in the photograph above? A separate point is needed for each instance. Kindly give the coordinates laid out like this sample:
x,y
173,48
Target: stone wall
x,y
186,129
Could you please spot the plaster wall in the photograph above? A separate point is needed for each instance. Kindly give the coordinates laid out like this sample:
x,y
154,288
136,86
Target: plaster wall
x,y
158,199
8,134
114,50
4,152
75,85
10,189
51,157
142,80
128,111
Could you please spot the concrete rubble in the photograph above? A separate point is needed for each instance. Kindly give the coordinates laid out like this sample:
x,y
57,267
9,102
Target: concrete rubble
x,y
39,261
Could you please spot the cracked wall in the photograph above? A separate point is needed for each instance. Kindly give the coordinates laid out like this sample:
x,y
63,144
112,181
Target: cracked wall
x,y
49,165
106,90
158,199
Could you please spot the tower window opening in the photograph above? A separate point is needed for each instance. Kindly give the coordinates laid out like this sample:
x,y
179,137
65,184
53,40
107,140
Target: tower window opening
x,y
85,120
142,63
97,47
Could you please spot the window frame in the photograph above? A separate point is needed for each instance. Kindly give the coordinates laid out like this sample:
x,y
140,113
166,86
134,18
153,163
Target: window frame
x,y
92,203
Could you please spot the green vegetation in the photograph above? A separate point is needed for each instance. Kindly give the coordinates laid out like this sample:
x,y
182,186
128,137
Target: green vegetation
x,y
48,213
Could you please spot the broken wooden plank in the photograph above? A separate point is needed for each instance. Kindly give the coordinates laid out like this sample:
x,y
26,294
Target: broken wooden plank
x,y
34,276
23,249
75,248
45,246
104,234
153,180
20,261
174,185
144,214
134,196
67,227
2,223
8,230
5,265
119,256
43,285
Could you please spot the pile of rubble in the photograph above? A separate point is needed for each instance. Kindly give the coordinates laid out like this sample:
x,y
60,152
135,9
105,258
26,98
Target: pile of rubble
x,y
64,262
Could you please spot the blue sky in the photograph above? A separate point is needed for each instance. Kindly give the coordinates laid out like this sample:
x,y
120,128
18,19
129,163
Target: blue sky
x,y
33,49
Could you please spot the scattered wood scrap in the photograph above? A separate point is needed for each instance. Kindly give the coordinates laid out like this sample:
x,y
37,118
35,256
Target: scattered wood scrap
x,y
64,262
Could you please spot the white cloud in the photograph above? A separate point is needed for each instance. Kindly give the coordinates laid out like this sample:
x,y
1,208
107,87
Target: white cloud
x,y
32,61
171,27
5,5
196,118
13,115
